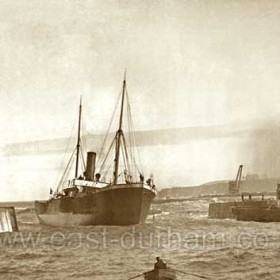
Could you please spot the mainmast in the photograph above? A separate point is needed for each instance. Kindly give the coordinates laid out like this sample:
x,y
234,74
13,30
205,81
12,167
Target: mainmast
x,y
119,134
78,139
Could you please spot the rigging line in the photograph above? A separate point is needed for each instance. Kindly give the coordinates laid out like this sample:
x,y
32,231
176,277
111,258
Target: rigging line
x,y
84,133
69,169
105,174
88,140
83,165
110,167
137,149
103,163
82,157
126,154
130,138
132,147
130,135
124,163
65,152
134,157
110,138
124,160
122,151
62,178
107,166
136,167
135,138
107,132
84,142
105,151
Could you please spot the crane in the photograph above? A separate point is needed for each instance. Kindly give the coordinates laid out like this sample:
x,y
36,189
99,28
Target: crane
x,y
234,186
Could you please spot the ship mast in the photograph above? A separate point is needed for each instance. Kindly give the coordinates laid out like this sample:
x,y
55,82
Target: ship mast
x,y
78,139
119,134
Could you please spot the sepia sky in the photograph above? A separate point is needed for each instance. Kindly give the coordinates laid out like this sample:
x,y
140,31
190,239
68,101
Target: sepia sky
x,y
189,63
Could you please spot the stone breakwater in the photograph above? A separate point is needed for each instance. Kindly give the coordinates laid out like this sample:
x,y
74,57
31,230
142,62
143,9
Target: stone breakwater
x,y
248,210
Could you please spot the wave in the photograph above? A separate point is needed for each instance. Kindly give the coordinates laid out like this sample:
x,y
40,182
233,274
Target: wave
x,y
21,210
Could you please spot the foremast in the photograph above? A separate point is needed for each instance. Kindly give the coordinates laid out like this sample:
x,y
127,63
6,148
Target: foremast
x,y
119,135
78,140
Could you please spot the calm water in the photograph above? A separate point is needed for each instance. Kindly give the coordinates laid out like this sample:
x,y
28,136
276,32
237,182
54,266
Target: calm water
x,y
180,233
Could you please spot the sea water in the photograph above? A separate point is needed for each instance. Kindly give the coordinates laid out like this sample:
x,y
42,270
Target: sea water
x,y
180,233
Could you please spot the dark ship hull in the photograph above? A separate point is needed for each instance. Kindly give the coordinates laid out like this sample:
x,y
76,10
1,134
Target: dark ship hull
x,y
123,204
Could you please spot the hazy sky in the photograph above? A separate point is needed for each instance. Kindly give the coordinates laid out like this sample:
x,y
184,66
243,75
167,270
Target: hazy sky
x,y
189,63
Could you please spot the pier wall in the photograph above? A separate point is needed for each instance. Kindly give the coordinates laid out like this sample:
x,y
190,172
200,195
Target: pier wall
x,y
222,210
247,210
8,221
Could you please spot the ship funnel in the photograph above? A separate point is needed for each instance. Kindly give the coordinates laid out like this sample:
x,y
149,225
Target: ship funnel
x,y
91,156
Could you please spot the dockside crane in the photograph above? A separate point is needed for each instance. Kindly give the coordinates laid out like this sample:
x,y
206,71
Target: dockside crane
x,y
234,186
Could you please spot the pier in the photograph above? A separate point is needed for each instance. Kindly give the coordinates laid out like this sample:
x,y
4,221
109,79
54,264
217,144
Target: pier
x,y
8,221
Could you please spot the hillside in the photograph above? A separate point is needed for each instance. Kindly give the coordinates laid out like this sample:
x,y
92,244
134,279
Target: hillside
x,y
220,187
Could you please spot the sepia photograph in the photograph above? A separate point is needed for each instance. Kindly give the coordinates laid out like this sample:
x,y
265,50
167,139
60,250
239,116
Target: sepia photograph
x,y
140,139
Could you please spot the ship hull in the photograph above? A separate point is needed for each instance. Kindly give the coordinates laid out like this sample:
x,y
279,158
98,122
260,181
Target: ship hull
x,y
115,205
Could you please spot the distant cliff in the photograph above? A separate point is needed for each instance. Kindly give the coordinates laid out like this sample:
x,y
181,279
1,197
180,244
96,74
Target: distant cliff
x,y
220,187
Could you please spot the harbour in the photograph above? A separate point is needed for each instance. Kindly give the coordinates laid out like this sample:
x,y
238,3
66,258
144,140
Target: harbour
x,y
139,140
182,235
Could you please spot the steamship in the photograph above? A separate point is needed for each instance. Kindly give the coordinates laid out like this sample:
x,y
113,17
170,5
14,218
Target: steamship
x,y
91,199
